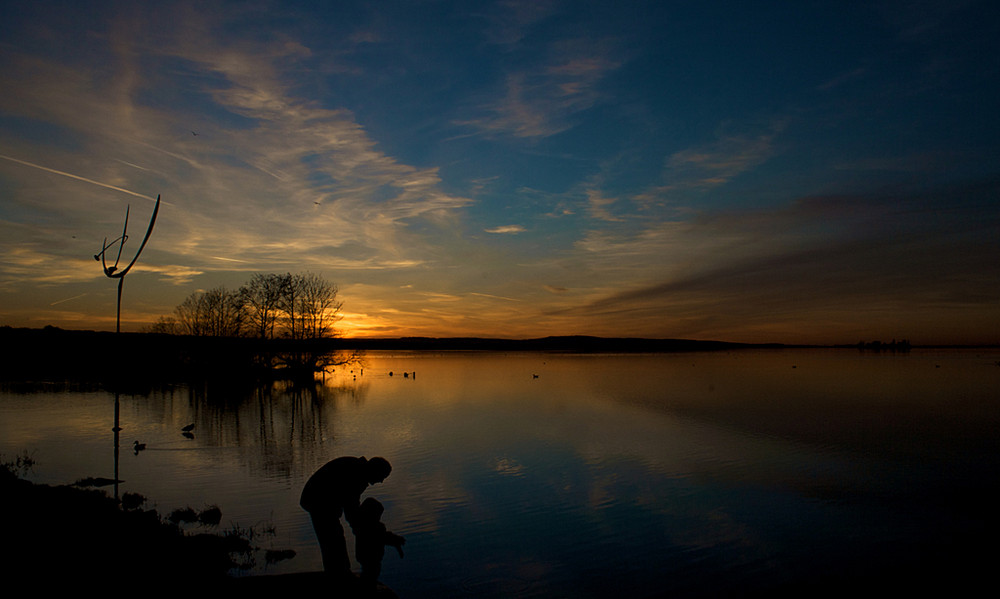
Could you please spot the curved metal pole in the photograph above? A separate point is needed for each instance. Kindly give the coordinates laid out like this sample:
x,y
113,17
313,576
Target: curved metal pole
x,y
149,231
112,272
118,312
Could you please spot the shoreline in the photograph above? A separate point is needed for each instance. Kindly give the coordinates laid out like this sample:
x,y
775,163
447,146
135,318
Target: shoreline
x,y
92,540
134,360
567,343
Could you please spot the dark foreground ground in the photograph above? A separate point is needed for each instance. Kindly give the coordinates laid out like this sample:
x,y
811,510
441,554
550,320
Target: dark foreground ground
x,y
70,539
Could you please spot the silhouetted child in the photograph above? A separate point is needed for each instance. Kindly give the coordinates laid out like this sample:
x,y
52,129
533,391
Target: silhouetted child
x,y
371,539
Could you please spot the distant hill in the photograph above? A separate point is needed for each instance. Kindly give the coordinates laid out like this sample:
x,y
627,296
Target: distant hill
x,y
50,339
577,343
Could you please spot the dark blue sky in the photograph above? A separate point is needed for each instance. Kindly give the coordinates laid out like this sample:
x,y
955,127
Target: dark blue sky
x,y
767,171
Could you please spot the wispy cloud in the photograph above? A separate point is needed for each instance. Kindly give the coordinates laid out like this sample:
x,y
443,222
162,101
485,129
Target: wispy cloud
x,y
272,181
718,162
314,159
687,176
860,257
542,101
599,206
506,229
511,20
583,159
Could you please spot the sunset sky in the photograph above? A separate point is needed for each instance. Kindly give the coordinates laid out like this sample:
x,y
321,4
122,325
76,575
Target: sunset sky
x,y
815,171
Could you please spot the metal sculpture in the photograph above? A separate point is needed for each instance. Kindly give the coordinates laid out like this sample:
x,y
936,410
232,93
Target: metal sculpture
x,y
112,271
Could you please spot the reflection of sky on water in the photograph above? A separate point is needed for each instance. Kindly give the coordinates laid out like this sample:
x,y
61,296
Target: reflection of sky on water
x,y
602,472
610,488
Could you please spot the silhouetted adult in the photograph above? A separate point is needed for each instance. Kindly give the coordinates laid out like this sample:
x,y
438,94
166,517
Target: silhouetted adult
x,y
333,490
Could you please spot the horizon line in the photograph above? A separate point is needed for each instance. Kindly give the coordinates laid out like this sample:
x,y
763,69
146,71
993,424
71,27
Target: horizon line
x,y
868,344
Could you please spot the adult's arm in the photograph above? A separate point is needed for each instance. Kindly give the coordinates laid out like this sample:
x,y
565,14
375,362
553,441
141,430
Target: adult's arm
x,y
351,500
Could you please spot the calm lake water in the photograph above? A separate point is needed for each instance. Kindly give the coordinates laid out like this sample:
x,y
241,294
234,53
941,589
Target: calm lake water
x,y
547,475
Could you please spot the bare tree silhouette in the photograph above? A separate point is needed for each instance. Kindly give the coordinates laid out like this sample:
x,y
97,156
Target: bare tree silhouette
x,y
112,271
262,296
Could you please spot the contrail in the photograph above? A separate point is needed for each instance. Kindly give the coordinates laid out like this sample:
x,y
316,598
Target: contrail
x,y
509,299
68,299
142,168
78,178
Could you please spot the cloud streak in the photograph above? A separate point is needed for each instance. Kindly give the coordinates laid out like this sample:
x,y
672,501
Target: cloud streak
x,y
79,178
867,256
560,168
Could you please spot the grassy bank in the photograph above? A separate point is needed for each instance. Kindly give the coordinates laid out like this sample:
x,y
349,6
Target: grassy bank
x,y
69,538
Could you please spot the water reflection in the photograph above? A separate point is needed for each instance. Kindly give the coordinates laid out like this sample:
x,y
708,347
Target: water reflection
x,y
549,475
275,423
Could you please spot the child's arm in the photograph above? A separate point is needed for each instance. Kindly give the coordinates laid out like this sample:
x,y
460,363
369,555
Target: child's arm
x,y
396,541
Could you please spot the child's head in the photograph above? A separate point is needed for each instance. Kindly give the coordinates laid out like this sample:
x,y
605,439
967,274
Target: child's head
x,y
371,509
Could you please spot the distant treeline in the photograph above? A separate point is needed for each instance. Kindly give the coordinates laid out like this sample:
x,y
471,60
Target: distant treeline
x,y
102,357
902,345
106,357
